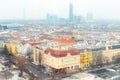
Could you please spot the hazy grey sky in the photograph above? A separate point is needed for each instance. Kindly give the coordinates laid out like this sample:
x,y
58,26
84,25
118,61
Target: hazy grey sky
x,y
37,9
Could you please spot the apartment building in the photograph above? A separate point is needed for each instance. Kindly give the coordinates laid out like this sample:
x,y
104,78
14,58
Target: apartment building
x,y
85,59
57,56
110,55
11,48
37,56
107,54
60,59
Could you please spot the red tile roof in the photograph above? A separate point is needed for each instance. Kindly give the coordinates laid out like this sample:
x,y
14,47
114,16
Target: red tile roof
x,y
61,53
46,34
35,43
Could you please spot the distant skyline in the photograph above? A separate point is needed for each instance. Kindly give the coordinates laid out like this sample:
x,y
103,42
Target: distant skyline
x,y
37,9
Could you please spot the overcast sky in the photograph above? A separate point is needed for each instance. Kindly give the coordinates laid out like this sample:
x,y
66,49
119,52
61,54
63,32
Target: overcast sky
x,y
37,9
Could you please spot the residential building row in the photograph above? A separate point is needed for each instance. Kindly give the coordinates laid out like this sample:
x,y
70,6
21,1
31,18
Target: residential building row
x,y
60,58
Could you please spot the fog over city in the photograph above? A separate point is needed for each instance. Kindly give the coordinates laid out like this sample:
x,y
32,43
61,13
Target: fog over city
x,y
37,9
59,40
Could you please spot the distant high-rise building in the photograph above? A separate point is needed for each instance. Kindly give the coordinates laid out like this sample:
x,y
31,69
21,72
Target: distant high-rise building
x,y
51,18
89,17
70,12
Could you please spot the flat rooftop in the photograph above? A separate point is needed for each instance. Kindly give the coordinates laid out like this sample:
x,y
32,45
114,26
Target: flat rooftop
x,y
104,73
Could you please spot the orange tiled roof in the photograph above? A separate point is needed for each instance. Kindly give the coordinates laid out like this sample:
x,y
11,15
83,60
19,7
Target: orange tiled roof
x,y
65,40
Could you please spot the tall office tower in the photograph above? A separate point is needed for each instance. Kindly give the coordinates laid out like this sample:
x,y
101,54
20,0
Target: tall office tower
x,y
70,12
89,17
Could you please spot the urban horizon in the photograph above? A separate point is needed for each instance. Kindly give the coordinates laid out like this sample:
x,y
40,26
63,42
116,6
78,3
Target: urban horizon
x,y
59,40
38,9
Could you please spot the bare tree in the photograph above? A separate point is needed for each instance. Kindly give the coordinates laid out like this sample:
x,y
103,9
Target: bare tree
x,y
5,49
21,63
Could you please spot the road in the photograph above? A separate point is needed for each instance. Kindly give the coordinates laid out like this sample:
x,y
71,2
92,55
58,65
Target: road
x,y
40,75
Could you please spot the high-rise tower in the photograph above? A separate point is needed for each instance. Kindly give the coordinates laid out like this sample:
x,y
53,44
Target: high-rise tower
x,y
70,12
89,17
